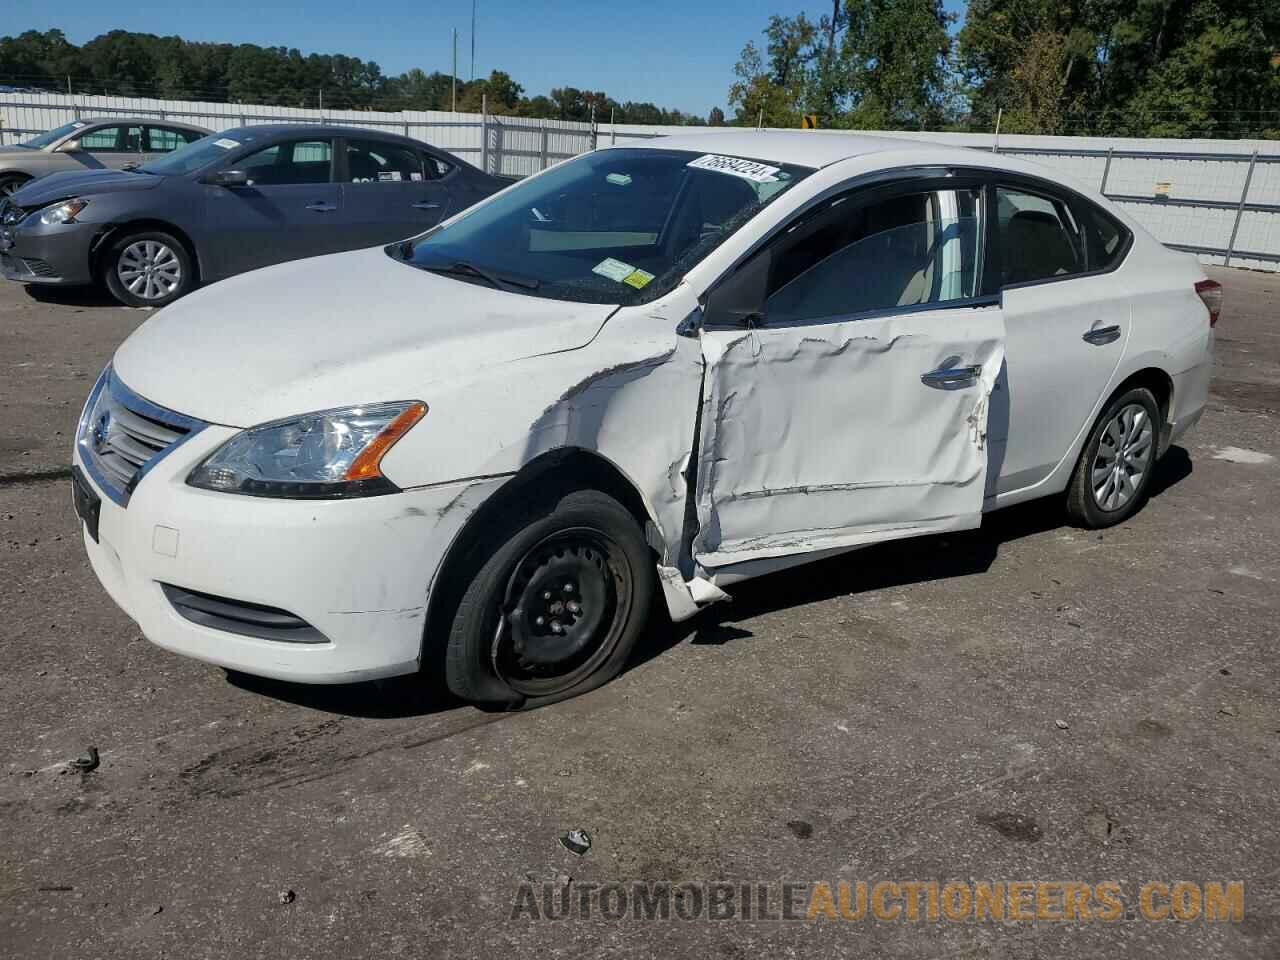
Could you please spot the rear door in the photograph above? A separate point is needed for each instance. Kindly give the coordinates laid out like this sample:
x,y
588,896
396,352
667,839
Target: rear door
x,y
1067,321
855,408
390,191
291,208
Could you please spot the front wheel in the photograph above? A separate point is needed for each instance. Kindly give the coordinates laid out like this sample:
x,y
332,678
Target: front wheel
x,y
557,607
148,269
11,184
1113,475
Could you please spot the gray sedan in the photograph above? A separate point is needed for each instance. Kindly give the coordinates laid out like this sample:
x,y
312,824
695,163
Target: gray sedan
x,y
112,143
227,203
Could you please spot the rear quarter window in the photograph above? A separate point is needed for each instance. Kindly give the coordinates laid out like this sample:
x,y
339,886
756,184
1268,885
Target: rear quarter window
x,y
1106,238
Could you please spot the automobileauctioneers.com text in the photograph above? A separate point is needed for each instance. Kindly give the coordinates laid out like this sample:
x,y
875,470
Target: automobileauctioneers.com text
x,y
888,901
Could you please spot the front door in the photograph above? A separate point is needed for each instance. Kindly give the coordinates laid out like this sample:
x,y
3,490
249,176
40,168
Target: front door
x,y
290,208
855,408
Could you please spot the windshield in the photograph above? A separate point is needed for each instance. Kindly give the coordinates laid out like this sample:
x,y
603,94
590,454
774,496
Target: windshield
x,y
53,136
199,153
613,226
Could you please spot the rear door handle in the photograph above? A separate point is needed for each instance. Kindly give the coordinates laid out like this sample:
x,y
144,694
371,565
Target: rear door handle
x,y
1100,336
320,206
945,377
426,205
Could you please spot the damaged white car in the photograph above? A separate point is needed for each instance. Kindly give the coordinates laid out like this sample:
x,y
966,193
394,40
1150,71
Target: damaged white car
x,y
648,372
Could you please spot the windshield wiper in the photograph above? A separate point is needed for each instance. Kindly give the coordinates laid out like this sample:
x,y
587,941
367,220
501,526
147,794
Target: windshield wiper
x,y
465,269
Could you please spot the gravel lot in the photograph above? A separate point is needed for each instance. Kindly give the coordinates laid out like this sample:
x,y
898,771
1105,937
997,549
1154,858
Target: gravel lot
x,y
1023,702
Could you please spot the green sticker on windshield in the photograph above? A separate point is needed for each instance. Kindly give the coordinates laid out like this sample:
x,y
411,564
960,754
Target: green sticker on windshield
x,y
638,278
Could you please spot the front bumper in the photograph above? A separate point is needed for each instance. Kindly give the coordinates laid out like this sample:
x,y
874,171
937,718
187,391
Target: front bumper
x,y
31,252
359,571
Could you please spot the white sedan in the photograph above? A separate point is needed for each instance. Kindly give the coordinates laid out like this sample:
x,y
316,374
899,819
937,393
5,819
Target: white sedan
x,y
655,370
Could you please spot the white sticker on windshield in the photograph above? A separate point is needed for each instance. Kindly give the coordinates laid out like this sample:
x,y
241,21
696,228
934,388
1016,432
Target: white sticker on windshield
x,y
613,269
77,126
737,167
226,143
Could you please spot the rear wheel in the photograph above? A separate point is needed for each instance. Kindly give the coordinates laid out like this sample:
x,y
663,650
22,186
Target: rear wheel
x,y
148,269
557,606
1113,475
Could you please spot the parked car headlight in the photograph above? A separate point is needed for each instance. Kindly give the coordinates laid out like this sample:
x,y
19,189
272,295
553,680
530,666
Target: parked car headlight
x,y
328,455
64,212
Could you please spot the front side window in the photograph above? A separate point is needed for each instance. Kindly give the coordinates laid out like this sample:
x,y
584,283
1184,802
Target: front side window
x,y
375,161
619,226
855,257
294,162
1037,238
113,140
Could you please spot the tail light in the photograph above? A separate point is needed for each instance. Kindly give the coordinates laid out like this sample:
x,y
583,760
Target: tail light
x,y
1210,291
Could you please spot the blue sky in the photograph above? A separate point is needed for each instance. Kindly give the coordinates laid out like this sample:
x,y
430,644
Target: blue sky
x,y
676,53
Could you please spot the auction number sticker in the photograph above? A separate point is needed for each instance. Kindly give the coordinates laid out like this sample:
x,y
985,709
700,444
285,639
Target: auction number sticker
x,y
737,167
226,143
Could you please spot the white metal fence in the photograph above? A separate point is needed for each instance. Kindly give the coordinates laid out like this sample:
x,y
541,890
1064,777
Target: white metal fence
x,y
1219,199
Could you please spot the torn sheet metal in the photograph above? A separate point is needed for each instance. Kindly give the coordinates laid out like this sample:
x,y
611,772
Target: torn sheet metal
x,y
824,436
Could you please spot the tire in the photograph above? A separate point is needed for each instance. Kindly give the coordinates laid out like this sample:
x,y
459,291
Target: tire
x,y
515,638
11,183
1106,489
131,255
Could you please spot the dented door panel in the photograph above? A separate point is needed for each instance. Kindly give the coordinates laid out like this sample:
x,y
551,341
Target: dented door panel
x,y
822,436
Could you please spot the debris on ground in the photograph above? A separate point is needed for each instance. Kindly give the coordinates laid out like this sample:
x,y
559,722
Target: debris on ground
x,y
287,896
1061,724
1015,826
86,763
1227,710
576,841
801,828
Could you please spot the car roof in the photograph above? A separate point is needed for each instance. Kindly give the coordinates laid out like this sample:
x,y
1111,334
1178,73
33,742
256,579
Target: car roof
x,y
143,121
264,131
800,147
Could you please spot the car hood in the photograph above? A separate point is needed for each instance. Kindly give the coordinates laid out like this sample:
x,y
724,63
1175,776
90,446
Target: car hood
x,y
82,183
335,331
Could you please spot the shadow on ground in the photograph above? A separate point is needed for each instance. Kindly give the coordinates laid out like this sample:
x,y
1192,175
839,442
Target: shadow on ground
x,y
897,563
73,296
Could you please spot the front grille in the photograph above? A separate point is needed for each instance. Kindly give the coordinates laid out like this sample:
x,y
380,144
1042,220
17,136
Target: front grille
x,y
38,268
123,435
240,617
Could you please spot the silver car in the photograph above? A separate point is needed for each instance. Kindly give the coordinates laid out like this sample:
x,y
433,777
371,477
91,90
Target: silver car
x,y
112,143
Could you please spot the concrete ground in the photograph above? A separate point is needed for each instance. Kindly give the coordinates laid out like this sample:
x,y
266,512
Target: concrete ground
x,y
1024,702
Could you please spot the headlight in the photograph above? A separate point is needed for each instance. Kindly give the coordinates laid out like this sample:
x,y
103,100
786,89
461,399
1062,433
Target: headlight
x,y
326,455
64,212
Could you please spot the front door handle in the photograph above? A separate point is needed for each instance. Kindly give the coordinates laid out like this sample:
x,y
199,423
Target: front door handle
x,y
426,205
945,377
320,206
1100,336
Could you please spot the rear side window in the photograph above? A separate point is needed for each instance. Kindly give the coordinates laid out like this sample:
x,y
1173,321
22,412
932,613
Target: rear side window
x,y
1037,238
376,161
1105,238
167,139
113,140
857,257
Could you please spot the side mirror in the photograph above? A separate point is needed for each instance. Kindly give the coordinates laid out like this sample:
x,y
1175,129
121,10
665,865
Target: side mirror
x,y
67,146
228,178
740,299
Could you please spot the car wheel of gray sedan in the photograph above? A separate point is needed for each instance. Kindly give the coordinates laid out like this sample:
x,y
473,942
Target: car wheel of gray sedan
x,y
148,269
12,184
553,599
1113,475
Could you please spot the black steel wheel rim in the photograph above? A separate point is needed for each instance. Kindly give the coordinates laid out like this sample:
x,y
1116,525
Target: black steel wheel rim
x,y
566,604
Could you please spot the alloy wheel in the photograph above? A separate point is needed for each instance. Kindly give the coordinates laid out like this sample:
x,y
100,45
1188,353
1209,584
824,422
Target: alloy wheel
x,y
149,269
1125,453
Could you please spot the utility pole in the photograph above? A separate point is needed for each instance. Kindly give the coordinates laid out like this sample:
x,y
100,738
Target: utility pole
x,y
473,39
455,70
